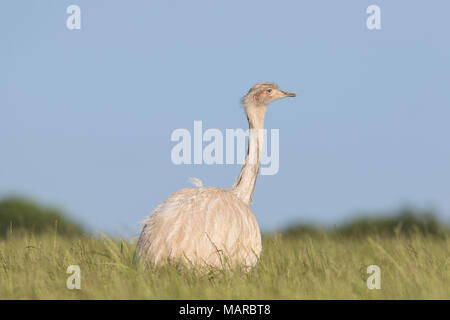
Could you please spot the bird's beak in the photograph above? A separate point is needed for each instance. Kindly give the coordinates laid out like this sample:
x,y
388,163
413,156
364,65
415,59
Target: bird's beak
x,y
287,94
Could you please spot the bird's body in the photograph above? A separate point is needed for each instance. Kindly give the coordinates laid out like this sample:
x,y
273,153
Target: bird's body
x,y
202,226
212,226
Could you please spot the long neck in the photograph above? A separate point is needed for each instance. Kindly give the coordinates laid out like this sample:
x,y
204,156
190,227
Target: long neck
x,y
245,183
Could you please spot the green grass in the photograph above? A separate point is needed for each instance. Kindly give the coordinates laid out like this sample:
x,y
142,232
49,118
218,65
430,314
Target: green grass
x,y
305,267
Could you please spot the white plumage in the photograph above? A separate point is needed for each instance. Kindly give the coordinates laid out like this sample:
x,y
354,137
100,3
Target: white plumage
x,y
212,226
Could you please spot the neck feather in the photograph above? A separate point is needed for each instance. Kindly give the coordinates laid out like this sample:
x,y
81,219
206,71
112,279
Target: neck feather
x,y
246,181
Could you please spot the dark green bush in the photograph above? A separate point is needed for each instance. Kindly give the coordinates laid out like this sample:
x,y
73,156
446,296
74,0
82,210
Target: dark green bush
x,y
18,215
405,222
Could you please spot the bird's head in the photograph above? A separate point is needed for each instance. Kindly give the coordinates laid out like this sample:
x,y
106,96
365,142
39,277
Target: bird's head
x,y
262,94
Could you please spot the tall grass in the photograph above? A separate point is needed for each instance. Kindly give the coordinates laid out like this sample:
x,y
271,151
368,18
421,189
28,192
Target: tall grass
x,y
305,267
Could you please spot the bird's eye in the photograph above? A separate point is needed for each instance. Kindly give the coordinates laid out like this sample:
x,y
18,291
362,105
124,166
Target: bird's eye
x,y
269,91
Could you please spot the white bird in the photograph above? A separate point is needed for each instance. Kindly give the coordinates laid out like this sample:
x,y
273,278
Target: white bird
x,y
212,226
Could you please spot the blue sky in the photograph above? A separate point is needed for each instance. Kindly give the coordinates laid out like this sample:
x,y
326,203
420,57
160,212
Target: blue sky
x,y
86,115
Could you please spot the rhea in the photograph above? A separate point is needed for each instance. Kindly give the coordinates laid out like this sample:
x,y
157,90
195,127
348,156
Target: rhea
x,y
211,226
